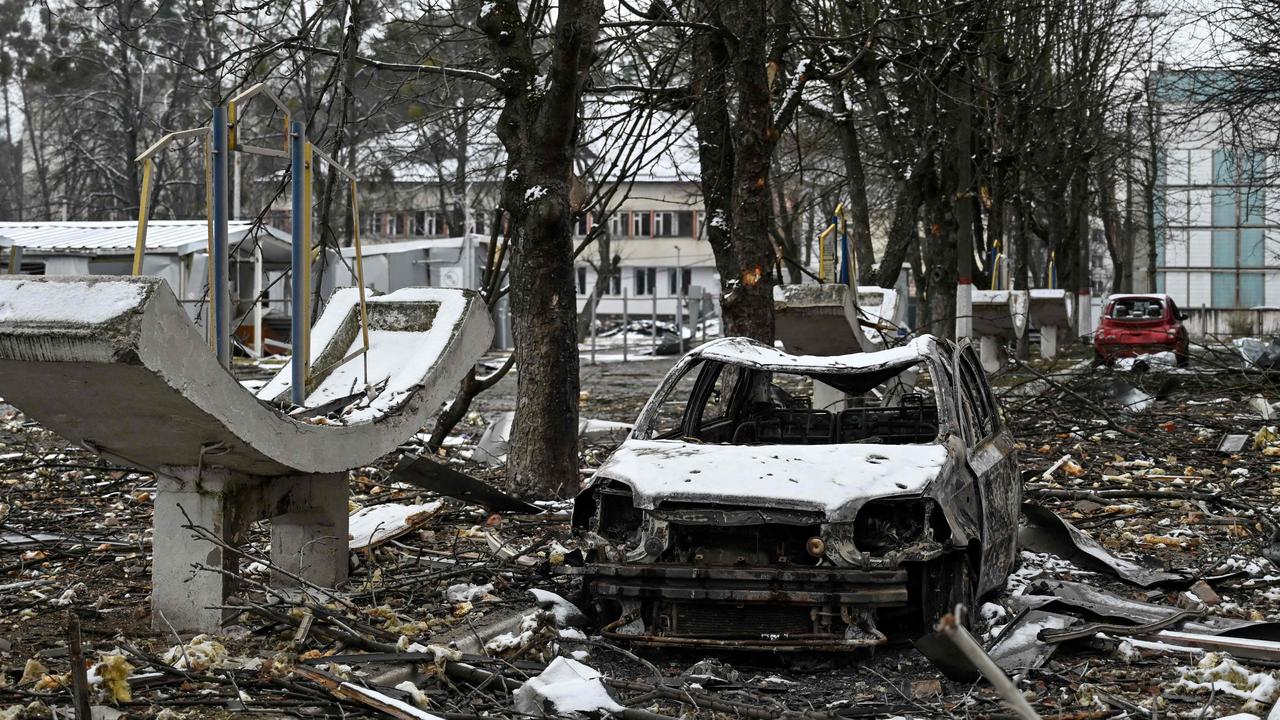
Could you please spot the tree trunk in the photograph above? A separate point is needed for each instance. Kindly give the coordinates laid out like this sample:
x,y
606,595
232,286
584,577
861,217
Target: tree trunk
x,y
940,255
540,134
736,156
605,269
906,215
37,156
856,182
1113,230
748,298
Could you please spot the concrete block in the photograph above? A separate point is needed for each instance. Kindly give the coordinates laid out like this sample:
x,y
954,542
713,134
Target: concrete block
x,y
989,353
308,515
309,539
818,319
1049,341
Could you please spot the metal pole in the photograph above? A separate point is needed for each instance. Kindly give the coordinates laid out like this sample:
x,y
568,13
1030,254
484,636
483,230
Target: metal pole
x,y
653,331
593,330
624,325
297,295
257,298
679,299
221,316
235,190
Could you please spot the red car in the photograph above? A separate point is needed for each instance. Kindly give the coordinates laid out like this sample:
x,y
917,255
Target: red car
x,y
1137,324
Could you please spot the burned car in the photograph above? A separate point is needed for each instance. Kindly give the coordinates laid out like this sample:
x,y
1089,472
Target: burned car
x,y
772,501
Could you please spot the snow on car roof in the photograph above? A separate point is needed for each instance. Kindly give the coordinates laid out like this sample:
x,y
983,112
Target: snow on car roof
x,y
755,354
1139,296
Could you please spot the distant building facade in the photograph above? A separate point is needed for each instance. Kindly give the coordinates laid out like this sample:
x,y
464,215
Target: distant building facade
x,y
1217,210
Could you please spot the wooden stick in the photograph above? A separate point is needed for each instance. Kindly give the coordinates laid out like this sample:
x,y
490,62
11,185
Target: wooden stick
x,y
79,677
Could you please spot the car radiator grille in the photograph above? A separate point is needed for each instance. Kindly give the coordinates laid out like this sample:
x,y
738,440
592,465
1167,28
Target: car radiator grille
x,y
747,621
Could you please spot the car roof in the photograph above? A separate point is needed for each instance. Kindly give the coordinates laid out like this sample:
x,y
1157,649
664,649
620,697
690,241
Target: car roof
x,y
751,353
1140,296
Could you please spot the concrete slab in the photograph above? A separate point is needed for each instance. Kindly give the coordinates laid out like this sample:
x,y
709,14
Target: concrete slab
x,y
998,315
818,319
1050,311
116,365
882,306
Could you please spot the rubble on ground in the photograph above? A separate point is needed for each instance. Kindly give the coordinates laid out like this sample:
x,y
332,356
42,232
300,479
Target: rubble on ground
x,y
451,609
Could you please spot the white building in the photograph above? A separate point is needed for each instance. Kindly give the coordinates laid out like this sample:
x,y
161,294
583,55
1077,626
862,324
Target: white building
x,y
1218,212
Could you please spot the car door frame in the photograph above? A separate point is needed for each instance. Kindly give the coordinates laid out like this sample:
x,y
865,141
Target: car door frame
x,y
992,466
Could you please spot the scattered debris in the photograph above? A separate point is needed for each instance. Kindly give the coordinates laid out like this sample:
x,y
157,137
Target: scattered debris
x,y
430,475
1151,485
492,447
373,525
1045,531
567,688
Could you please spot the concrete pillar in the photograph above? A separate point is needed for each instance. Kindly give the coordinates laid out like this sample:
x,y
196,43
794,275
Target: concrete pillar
x,y
989,353
309,538
1048,342
1084,315
308,514
182,594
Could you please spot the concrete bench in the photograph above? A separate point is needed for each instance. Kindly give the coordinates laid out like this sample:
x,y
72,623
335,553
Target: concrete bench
x,y
115,365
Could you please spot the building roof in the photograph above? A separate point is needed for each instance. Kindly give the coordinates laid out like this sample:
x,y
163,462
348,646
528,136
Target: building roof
x,y
617,141
117,237
391,248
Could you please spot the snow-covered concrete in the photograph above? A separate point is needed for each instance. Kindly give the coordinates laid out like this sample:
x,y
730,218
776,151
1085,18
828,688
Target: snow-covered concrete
x,y
116,365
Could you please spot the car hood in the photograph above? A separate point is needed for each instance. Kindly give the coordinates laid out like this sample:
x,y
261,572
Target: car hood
x,y
801,477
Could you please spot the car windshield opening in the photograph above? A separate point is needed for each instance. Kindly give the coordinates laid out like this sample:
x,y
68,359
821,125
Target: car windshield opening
x,y
727,404
1137,309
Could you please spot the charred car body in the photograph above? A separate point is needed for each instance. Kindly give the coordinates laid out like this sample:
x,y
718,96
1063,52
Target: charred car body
x,y
782,502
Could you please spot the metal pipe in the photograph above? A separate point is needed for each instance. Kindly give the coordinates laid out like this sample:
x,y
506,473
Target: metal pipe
x,y
625,319
257,301
307,250
221,316
653,331
950,626
364,315
208,248
593,327
298,258
144,210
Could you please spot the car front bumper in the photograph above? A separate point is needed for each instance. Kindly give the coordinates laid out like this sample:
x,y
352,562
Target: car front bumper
x,y
748,608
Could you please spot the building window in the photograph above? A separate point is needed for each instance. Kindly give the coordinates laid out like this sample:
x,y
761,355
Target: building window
x,y
583,225
614,286
684,223
1250,290
645,281
664,224
619,224
641,224
391,224
478,220
1223,289
686,279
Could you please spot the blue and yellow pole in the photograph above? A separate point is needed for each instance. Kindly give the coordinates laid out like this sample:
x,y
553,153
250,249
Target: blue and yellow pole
x,y
221,319
298,273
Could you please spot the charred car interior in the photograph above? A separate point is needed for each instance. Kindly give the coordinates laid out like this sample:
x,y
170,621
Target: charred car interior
x,y
780,502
